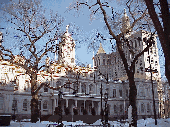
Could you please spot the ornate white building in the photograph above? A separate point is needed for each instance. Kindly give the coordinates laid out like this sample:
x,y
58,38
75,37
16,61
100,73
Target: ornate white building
x,y
16,92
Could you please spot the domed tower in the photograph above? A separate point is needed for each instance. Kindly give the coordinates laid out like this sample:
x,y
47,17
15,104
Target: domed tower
x,y
66,53
125,22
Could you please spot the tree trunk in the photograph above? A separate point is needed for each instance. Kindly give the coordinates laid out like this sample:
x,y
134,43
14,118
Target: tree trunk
x,y
34,100
163,33
132,99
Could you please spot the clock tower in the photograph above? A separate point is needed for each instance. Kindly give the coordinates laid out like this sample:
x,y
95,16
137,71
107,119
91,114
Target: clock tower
x,y
66,53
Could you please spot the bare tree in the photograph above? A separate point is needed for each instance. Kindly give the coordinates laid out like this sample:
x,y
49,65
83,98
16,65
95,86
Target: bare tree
x,y
113,25
160,14
163,29
34,34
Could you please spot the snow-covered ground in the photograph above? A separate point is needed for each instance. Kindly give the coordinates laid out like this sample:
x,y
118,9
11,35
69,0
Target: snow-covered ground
x,y
149,122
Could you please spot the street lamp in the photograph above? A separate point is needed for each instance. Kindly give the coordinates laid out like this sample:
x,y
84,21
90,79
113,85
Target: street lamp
x,y
60,106
14,108
40,99
159,93
101,78
106,108
101,92
152,71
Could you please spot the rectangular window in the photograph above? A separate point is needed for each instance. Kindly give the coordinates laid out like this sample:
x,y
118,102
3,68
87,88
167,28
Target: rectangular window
x,y
156,63
25,105
127,93
115,109
114,93
108,62
14,105
148,107
45,89
121,108
25,88
142,108
103,61
15,88
135,43
141,92
120,93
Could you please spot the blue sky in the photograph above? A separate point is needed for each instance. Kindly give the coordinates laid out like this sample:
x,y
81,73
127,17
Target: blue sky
x,y
87,28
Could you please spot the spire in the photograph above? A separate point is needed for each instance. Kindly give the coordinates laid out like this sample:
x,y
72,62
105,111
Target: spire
x,y
67,26
125,22
125,14
101,50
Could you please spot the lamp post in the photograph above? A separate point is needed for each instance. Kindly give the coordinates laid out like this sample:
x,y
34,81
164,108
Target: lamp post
x,y
60,107
101,92
14,108
40,99
160,92
101,99
106,108
152,71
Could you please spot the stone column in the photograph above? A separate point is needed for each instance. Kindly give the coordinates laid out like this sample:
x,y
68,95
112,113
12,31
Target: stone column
x,y
95,91
66,103
54,105
92,104
99,106
87,85
80,87
57,102
75,103
84,104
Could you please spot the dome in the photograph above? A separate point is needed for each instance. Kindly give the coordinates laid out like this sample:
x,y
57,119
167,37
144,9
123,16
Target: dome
x,y
125,22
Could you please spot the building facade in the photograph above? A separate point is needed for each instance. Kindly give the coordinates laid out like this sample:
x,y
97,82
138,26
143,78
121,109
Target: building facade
x,y
80,86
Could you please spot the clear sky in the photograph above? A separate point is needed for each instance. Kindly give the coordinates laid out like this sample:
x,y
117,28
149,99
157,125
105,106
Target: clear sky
x,y
87,28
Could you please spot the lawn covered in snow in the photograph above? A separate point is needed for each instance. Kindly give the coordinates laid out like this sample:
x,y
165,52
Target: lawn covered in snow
x,y
149,122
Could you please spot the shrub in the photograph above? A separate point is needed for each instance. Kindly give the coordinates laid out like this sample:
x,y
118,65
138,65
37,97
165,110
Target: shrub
x,y
84,112
57,111
102,113
75,111
67,111
93,112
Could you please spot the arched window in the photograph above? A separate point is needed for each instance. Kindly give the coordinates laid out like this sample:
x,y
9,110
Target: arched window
x,y
90,89
58,83
45,105
25,105
83,88
1,102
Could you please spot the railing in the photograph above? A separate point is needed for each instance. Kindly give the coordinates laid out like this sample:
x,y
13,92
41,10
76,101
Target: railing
x,y
54,125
